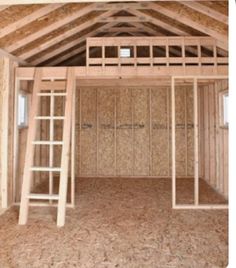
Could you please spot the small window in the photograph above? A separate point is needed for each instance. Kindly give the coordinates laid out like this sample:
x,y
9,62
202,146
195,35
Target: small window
x,y
224,105
22,110
225,109
125,53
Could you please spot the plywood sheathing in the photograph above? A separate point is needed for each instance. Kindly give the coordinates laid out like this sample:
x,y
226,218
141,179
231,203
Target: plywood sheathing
x,y
124,133
88,131
128,127
200,18
68,40
40,23
118,223
160,122
106,131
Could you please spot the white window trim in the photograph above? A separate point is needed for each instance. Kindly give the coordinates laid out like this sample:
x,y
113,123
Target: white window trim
x,y
25,124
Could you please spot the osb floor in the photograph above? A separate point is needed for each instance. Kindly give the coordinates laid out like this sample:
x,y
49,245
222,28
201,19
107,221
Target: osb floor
x,y
126,223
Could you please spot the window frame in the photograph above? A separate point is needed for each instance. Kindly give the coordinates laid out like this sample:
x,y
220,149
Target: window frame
x,y
26,112
222,95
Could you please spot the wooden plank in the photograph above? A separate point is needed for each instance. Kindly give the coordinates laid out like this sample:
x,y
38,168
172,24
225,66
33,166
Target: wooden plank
x,y
28,19
65,150
73,144
4,128
196,137
25,2
173,142
24,207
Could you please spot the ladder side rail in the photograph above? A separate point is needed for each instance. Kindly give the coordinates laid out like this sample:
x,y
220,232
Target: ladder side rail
x,y
65,149
29,156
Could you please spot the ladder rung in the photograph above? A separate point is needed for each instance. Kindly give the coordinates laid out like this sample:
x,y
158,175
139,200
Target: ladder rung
x,y
50,117
47,142
52,94
44,196
53,85
45,169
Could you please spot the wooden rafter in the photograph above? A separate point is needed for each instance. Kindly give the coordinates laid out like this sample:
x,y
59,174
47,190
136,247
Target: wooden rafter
x,y
159,23
68,46
64,35
50,28
207,11
28,19
177,15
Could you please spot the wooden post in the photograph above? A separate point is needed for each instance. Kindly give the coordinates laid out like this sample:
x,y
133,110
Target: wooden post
x,y
173,142
5,88
196,156
73,151
61,213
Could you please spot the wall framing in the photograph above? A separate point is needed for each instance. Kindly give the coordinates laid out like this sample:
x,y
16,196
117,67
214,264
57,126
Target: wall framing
x,y
196,204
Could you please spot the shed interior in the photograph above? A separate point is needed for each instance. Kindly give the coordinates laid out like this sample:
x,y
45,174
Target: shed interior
x,y
114,117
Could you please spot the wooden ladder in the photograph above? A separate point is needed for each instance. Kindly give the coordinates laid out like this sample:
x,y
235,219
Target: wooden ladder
x,y
66,89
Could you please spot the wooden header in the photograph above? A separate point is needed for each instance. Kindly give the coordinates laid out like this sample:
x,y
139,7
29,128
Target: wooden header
x,y
24,2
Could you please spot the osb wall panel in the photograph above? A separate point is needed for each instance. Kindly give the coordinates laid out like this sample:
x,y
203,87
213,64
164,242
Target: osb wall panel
x,y
106,133
141,131
124,132
215,153
180,134
159,131
88,134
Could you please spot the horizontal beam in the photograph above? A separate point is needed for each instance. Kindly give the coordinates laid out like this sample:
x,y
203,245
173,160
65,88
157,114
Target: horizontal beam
x,y
25,2
124,19
124,72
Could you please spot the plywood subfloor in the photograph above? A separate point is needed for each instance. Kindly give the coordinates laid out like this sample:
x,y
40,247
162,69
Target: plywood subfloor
x,y
126,223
